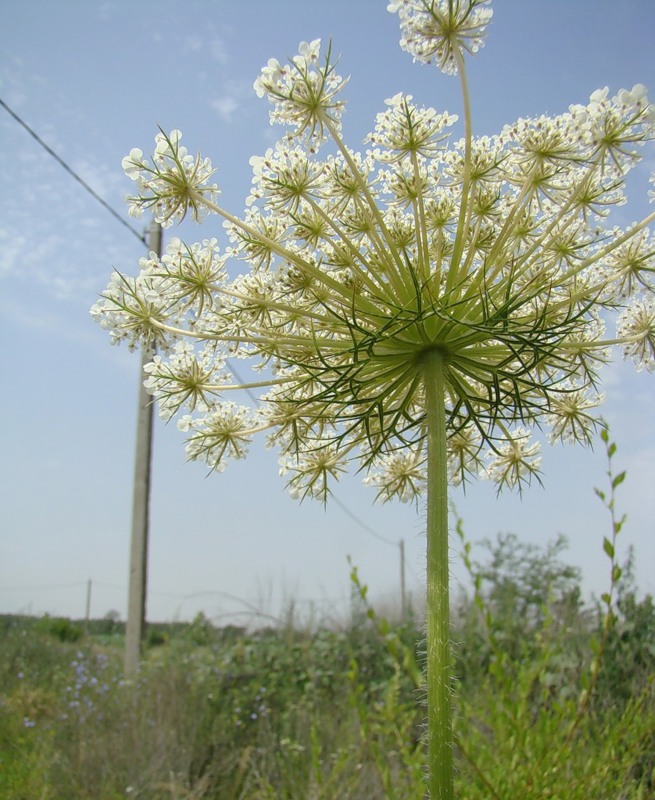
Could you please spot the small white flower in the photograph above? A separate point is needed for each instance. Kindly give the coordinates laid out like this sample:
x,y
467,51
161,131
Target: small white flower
x,y
185,423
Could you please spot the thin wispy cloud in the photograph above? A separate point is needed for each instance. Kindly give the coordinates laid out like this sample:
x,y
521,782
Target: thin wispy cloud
x,y
234,95
212,46
225,107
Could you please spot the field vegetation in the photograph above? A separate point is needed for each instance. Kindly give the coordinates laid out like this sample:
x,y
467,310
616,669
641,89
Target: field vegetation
x,y
554,697
552,701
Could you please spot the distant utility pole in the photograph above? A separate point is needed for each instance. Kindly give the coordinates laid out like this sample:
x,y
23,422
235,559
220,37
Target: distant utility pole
x,y
136,607
87,615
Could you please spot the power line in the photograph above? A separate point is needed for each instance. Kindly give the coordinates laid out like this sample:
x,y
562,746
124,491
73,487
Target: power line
x,y
142,239
72,173
362,524
248,602
39,588
340,503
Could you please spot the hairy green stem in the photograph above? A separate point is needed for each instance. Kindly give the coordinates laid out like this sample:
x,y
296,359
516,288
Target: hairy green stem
x,y
439,666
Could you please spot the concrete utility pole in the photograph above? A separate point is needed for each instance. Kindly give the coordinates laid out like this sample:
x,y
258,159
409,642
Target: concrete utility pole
x,y
136,607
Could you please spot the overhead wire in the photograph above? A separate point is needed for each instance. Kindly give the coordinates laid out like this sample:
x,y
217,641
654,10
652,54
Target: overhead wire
x,y
361,523
143,240
336,500
72,173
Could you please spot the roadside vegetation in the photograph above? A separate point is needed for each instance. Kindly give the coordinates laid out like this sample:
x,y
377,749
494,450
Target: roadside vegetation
x,y
554,698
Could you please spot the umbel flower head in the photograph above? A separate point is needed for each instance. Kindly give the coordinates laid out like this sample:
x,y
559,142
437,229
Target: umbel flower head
x,y
173,184
494,255
439,32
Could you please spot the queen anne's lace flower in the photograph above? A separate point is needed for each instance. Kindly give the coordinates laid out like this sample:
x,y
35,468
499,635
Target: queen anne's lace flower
x,y
405,129
571,417
184,380
440,31
417,309
173,184
131,308
631,266
192,272
491,254
312,470
223,433
400,475
514,461
303,92
636,327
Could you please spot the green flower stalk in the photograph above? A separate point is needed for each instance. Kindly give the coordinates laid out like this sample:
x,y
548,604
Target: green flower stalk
x,y
416,309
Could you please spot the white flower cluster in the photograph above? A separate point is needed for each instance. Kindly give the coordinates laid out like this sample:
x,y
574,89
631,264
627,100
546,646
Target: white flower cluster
x,y
223,433
636,328
173,184
312,469
493,255
130,307
515,460
303,93
405,128
173,290
441,31
400,476
185,380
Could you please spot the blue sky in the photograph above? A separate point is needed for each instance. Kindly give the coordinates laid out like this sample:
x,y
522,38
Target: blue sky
x,y
95,79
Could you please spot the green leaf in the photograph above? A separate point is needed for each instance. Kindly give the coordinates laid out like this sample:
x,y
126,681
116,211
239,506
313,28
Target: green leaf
x,y
608,547
619,479
606,598
616,573
611,450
